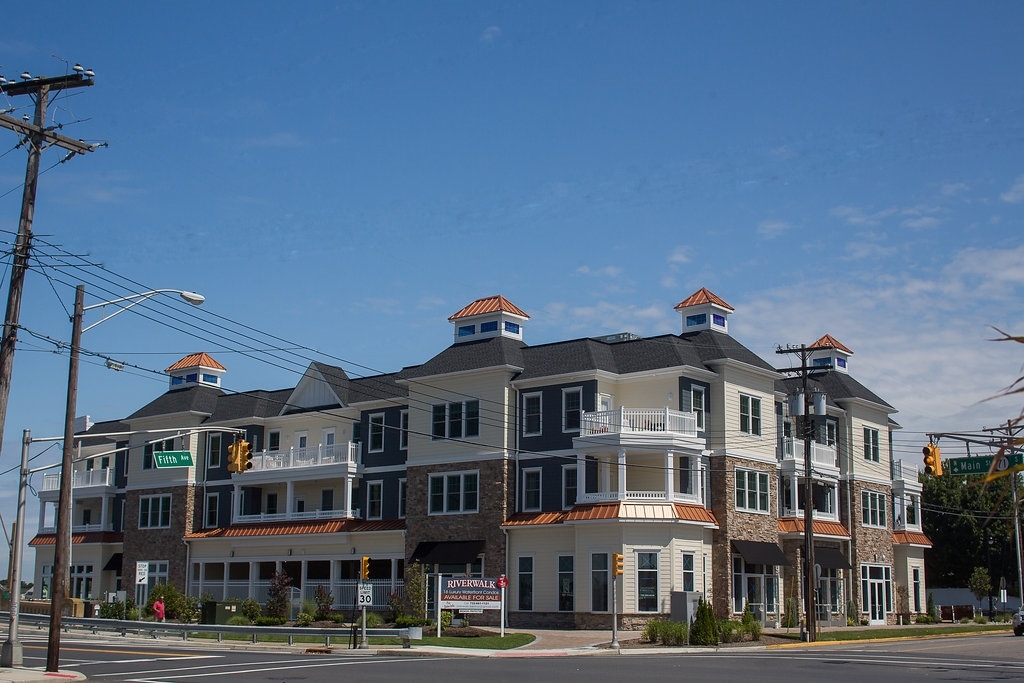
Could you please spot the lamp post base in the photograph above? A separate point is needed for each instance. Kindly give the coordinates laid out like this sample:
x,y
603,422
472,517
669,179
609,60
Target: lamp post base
x,y
11,654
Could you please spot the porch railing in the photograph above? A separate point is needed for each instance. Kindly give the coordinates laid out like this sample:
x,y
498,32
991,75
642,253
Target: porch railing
x,y
638,420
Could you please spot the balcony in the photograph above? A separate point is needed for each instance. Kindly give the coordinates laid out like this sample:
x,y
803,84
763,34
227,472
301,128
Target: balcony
x,y
641,496
324,455
80,479
791,456
639,421
296,516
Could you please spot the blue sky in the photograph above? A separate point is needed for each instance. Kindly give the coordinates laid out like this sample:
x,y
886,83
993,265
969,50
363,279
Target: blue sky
x,y
344,176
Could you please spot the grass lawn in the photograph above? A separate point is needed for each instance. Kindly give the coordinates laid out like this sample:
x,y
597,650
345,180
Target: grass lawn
x,y
899,632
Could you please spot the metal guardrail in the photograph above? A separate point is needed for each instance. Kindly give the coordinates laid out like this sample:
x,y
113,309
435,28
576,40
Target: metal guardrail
x,y
153,629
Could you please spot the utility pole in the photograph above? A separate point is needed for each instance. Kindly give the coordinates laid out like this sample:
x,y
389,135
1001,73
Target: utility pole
x,y
807,432
37,137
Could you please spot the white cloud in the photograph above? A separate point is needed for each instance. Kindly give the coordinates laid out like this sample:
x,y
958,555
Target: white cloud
x,y
1015,195
772,229
679,255
281,139
490,34
857,216
920,222
606,271
954,189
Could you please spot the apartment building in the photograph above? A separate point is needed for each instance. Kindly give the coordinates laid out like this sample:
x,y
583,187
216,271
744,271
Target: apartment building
x,y
495,457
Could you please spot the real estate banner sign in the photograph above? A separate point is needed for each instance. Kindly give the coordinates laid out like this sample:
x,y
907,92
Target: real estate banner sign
x,y
470,595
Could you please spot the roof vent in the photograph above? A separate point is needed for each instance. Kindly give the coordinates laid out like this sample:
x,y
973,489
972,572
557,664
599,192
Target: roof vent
x,y
616,338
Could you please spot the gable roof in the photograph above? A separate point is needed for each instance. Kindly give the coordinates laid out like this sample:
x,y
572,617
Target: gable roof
x,y
488,304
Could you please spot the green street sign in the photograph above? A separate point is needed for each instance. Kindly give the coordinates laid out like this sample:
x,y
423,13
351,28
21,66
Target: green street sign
x,y
173,459
981,465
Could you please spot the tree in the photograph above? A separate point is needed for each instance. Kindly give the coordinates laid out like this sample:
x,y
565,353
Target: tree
x,y
980,583
279,595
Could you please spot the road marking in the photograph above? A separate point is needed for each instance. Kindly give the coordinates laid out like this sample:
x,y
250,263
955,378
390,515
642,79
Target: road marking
x,y
285,666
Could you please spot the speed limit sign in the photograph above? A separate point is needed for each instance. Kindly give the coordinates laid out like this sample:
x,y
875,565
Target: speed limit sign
x,y
365,595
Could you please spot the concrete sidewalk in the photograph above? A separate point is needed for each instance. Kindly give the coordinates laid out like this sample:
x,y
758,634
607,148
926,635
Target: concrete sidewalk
x,y
23,675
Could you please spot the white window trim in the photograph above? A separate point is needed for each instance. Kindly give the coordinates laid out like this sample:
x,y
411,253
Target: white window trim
x,y
149,500
462,503
759,473
565,473
402,500
695,391
403,434
215,507
751,416
540,489
540,413
213,459
379,486
565,393
872,446
876,501
370,424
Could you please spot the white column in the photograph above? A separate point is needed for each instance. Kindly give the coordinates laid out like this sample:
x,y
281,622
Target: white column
x,y
289,498
581,476
348,496
622,473
236,503
669,476
105,512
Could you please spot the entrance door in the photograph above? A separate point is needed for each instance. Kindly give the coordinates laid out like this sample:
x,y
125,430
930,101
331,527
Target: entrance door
x,y
876,594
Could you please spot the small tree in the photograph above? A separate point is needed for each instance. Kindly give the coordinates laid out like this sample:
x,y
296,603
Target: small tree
x,y
980,584
705,626
415,590
324,599
279,595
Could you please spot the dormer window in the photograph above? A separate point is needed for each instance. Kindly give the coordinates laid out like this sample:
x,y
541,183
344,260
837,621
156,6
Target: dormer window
x,y
467,330
702,310
195,369
490,326
511,327
718,320
694,320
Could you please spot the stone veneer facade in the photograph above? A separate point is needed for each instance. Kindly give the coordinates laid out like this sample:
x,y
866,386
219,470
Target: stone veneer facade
x,y
870,545
158,545
736,524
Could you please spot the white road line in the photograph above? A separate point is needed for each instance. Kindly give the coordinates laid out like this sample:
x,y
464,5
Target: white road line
x,y
261,669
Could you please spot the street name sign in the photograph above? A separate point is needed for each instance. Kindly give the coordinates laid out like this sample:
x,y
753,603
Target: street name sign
x,y
982,464
173,459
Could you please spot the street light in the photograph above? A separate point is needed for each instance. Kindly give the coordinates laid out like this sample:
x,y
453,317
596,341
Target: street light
x,y
62,545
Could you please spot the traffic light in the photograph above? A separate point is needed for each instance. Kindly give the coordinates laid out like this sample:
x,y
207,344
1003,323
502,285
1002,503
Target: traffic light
x,y
364,568
244,456
932,460
234,456
617,564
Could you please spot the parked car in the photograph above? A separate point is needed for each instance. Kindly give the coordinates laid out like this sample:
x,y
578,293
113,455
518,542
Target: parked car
x,y
1018,622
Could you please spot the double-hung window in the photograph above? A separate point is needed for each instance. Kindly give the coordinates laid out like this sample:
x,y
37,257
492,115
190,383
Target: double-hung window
x,y
374,499
531,489
453,492
697,404
212,503
871,450
872,508
456,420
572,409
752,490
155,512
375,443
148,462
532,414
750,415
570,486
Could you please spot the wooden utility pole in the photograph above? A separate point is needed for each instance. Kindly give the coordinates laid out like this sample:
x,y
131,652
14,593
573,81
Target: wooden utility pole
x,y
806,427
37,137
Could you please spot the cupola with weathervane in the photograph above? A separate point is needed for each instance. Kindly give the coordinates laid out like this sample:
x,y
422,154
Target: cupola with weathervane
x,y
492,316
703,310
196,369
830,352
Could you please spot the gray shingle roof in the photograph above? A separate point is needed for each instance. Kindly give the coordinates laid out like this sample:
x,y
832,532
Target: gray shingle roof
x,y
836,385
196,399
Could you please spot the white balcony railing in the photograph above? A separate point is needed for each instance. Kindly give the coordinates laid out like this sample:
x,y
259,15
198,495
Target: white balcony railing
x,y
901,472
639,420
297,516
317,456
644,496
821,454
80,479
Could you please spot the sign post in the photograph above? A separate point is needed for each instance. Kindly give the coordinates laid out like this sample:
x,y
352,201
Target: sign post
x,y
502,584
365,600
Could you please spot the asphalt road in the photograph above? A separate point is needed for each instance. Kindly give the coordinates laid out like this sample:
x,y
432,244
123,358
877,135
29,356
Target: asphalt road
x,y
997,657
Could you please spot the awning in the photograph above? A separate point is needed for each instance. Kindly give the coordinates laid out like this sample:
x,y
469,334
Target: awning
x,y
830,558
114,563
447,552
760,552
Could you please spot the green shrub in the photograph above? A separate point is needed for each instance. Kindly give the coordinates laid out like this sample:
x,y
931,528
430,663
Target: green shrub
x,y
446,618
270,621
324,599
309,607
239,620
337,617
924,619
131,613
705,627
729,631
666,632
373,620
251,609
980,619
304,619
112,610
407,620
652,630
